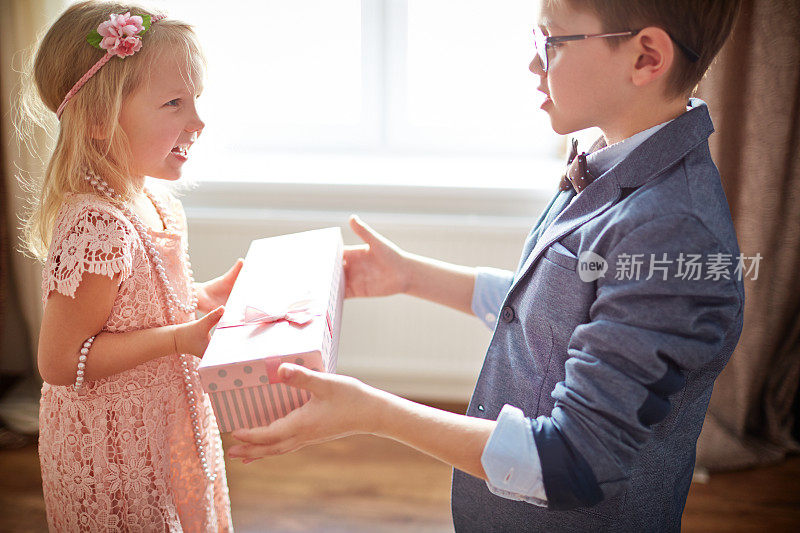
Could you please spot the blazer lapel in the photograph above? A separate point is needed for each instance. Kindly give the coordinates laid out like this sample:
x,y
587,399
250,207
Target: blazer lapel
x,y
595,199
556,205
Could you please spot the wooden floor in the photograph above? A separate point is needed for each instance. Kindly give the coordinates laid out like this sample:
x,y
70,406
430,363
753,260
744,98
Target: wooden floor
x,y
366,484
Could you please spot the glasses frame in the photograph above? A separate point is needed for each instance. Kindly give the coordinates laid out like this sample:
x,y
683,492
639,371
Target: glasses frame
x,y
545,42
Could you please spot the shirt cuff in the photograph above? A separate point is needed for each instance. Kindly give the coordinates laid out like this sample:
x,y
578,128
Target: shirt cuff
x,y
511,460
488,293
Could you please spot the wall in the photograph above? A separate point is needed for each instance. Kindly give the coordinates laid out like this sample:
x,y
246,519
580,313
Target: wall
x,y
404,345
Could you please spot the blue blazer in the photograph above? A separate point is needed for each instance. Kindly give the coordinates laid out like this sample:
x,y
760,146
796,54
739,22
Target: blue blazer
x,y
615,372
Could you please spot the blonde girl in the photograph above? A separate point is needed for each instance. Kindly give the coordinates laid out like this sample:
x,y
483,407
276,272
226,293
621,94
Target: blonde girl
x,y
128,441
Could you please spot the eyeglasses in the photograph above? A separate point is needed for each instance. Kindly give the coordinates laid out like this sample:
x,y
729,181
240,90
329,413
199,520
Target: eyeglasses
x,y
545,43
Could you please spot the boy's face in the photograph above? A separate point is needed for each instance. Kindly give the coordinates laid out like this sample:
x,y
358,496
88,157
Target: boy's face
x,y
160,119
585,85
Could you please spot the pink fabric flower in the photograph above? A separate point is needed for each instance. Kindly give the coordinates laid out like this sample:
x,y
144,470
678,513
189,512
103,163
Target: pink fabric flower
x,y
121,34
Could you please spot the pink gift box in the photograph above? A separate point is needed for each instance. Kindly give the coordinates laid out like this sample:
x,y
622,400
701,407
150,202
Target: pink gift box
x,y
286,306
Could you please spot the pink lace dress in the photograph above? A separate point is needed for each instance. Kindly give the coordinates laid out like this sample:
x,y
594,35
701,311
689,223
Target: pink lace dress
x,y
122,457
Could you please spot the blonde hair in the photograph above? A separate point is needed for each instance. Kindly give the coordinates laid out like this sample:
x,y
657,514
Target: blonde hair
x,y
89,136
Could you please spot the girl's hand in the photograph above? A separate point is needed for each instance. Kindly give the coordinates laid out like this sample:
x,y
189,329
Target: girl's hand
x,y
376,268
193,337
339,406
215,292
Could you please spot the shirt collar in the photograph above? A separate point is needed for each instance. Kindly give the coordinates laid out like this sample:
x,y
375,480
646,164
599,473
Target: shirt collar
x,y
603,160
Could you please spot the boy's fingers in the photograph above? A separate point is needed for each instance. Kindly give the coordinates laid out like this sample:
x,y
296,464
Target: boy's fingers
x,y
299,377
247,452
251,452
278,431
355,250
354,253
364,232
357,226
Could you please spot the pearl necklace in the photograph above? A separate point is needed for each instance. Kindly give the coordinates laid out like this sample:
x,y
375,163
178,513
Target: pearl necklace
x,y
173,302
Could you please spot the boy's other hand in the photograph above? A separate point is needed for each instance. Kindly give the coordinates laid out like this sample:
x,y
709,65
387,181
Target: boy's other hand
x,y
376,268
339,406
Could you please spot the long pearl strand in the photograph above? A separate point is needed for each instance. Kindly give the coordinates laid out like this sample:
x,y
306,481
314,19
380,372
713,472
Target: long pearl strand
x,y
173,302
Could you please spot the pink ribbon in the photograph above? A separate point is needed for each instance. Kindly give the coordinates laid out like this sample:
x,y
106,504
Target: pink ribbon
x,y
298,313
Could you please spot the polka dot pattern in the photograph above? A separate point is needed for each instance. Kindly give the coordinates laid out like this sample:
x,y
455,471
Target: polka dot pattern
x,y
577,175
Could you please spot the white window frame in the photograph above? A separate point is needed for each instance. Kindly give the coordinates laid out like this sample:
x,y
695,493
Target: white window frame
x,y
364,161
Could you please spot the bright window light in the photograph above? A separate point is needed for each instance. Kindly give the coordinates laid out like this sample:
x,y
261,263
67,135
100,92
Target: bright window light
x,y
431,92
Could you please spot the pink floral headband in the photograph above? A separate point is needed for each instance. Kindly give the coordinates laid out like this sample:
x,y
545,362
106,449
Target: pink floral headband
x,y
121,36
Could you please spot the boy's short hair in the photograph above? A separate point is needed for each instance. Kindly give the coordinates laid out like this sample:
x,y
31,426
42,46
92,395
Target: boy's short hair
x,y
702,25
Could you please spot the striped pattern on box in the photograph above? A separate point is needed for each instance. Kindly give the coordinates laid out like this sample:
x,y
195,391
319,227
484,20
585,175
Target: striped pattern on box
x,y
255,406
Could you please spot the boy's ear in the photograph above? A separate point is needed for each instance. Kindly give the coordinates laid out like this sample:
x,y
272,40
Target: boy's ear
x,y
656,54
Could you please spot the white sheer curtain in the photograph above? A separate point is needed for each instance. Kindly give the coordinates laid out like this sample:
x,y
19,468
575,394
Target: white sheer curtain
x,y
370,91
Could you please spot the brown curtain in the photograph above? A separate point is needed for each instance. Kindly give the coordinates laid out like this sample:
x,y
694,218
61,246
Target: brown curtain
x,y
20,277
15,359
753,93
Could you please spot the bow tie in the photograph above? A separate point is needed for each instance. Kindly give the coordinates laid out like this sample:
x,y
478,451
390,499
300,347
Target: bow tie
x,y
577,175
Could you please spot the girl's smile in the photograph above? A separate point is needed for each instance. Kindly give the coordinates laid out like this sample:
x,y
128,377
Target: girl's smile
x,y
181,152
161,120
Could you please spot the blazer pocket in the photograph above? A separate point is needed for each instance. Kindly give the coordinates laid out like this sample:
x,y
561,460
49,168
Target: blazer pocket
x,y
561,256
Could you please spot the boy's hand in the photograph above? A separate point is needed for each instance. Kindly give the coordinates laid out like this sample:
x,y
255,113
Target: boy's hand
x,y
376,268
215,292
339,406
342,406
193,337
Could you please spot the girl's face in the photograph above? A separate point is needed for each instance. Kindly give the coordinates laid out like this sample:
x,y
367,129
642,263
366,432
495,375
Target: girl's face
x,y
160,119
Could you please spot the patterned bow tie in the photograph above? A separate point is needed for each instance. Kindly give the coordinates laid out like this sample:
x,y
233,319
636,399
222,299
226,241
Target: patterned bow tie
x,y
577,175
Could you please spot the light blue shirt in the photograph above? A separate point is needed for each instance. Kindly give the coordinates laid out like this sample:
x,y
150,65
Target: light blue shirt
x,y
510,458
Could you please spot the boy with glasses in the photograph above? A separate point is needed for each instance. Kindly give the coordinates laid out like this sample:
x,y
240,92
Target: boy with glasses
x,y
606,343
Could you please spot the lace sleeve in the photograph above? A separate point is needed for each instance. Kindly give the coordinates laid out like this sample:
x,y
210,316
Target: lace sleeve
x,y
94,241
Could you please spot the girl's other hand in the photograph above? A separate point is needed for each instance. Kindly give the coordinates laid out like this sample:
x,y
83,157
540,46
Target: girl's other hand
x,y
193,337
376,268
339,406
215,292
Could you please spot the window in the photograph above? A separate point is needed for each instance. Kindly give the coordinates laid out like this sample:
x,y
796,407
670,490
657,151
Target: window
x,y
371,91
